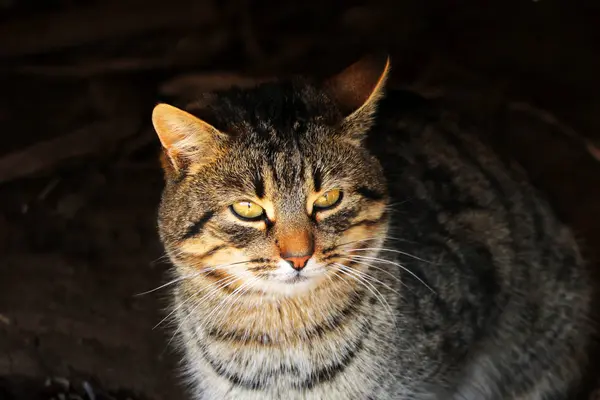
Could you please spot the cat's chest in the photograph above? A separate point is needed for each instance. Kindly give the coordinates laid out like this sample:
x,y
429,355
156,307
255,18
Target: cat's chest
x,y
328,362
292,373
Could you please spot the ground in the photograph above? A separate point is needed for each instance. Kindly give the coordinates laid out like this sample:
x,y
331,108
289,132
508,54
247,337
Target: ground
x,y
72,265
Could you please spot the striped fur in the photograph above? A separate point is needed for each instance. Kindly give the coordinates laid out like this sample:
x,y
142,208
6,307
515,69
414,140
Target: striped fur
x,y
441,275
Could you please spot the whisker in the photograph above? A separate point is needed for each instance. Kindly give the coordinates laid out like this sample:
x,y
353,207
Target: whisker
x,y
172,312
385,237
228,299
221,266
218,285
397,203
176,280
189,276
167,256
398,265
367,285
349,258
228,302
393,251
249,286
164,257
372,279
198,304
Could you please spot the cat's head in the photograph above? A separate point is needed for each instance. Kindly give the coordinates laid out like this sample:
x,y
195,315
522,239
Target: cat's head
x,y
272,187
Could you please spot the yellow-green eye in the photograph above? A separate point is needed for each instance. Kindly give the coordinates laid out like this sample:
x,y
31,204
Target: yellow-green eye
x,y
247,210
328,199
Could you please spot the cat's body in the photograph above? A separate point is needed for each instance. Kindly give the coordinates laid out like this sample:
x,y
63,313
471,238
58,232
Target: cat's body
x,y
440,273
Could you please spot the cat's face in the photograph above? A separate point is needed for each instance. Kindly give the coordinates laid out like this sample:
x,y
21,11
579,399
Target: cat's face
x,y
277,194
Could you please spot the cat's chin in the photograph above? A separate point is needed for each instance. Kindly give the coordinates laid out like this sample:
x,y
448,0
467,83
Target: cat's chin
x,y
290,287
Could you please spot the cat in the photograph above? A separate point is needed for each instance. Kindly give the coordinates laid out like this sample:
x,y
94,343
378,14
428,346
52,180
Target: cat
x,y
336,240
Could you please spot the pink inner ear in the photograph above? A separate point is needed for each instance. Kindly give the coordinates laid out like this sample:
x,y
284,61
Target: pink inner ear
x,y
352,87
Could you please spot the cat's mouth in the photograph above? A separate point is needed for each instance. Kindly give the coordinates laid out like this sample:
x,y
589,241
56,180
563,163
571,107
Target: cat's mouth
x,y
292,275
288,280
296,278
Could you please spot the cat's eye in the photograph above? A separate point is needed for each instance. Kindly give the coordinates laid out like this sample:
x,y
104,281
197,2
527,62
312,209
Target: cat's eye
x,y
247,210
328,200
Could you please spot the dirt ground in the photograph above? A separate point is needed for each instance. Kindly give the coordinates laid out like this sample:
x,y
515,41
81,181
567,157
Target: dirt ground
x,y
72,265
78,237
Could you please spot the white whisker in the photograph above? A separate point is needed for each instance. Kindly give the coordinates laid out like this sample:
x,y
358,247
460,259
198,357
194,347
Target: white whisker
x,y
375,238
220,284
396,204
172,312
164,257
372,278
221,266
217,287
193,275
176,280
349,258
199,302
392,251
383,260
230,300
369,286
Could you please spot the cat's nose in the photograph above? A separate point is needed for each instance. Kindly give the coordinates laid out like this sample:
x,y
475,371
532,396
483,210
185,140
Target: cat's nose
x,y
297,262
296,247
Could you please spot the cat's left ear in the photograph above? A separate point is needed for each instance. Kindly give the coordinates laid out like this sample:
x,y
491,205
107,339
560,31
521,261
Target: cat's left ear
x,y
185,138
357,91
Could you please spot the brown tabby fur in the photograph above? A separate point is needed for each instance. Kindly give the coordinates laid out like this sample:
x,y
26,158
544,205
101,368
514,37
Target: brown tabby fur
x,y
440,274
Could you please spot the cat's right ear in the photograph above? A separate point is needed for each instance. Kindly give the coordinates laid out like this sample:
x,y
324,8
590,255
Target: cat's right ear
x,y
185,138
357,91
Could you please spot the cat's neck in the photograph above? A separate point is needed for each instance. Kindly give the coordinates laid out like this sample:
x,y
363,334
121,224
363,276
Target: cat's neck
x,y
277,320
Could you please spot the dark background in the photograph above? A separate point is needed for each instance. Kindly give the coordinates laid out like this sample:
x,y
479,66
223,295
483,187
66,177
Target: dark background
x,y
79,177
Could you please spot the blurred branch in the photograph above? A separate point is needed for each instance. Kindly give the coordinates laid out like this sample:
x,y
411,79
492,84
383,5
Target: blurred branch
x,y
589,144
187,50
48,33
41,156
186,86
101,67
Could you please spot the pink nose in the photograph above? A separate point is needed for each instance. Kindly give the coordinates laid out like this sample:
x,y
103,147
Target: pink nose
x,y
297,262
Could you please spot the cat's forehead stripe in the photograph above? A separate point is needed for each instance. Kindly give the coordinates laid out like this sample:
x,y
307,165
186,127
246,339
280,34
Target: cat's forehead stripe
x,y
287,170
317,179
259,185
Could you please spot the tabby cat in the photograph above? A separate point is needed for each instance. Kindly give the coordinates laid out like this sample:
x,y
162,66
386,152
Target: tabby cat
x,y
333,240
